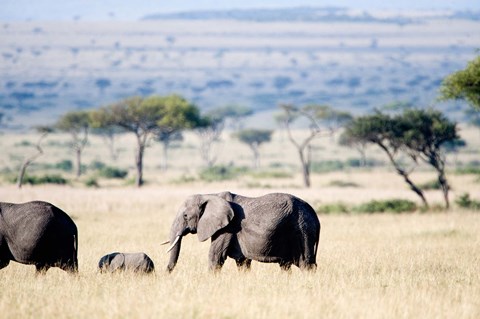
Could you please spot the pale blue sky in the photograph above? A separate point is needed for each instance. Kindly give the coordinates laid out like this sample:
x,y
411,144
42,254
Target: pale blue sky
x,y
132,10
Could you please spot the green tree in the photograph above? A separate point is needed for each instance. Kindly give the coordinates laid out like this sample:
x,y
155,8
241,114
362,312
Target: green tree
x,y
322,119
416,134
144,117
425,132
381,130
77,124
463,85
254,138
179,114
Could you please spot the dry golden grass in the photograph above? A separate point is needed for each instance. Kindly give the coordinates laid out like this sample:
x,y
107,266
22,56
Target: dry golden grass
x,y
420,265
375,266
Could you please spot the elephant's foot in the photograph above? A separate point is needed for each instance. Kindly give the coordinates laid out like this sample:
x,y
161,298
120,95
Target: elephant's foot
x,y
41,269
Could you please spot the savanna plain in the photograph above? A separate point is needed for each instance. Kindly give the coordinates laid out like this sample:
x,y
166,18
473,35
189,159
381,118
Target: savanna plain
x,y
421,264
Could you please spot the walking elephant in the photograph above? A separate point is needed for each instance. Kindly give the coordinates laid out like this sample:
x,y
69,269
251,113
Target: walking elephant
x,y
38,233
136,262
274,228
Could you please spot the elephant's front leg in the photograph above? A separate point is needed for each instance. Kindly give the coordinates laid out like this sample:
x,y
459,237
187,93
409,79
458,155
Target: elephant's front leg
x,y
218,250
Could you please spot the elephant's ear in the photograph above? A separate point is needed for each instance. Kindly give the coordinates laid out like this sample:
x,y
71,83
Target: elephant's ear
x,y
216,215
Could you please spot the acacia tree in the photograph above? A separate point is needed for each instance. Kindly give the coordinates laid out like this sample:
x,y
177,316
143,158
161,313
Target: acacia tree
x,y
425,133
463,85
379,129
138,116
254,138
76,123
44,131
358,144
323,121
417,134
179,114
145,117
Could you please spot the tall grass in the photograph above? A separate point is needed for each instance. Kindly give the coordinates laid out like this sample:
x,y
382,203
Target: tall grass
x,y
376,266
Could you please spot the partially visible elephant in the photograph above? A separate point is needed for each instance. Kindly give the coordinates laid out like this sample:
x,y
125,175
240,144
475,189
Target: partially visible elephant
x,y
275,228
38,233
136,262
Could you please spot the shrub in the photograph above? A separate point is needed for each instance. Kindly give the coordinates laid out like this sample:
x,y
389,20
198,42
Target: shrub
x,y
23,143
337,183
92,182
431,185
327,166
465,201
112,172
390,205
45,179
335,208
65,165
271,174
220,173
96,165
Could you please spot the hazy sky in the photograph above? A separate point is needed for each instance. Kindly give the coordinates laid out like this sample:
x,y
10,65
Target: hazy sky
x,y
132,10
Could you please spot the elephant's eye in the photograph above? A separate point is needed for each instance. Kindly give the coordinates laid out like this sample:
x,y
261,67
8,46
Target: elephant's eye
x,y
185,216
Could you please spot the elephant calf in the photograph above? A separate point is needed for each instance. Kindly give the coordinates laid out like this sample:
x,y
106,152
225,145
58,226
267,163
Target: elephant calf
x,y
136,262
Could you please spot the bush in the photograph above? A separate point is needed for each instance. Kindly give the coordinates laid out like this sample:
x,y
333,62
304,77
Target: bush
x,y
431,185
335,208
271,174
112,172
391,205
327,166
96,165
337,183
65,165
220,173
91,182
45,179
465,201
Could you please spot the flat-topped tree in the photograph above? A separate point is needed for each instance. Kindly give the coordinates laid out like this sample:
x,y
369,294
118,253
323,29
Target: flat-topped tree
x,y
180,114
145,117
415,133
463,85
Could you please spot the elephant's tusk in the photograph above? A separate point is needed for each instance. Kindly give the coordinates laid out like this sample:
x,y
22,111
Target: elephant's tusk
x,y
174,243
165,242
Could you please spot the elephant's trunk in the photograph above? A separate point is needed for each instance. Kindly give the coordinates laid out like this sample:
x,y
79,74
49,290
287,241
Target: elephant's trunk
x,y
179,229
174,253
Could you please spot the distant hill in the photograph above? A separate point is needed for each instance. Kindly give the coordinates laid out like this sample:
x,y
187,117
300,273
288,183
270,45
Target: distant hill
x,y
351,60
314,14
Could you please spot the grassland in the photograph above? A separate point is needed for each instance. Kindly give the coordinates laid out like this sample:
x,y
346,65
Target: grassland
x,y
415,265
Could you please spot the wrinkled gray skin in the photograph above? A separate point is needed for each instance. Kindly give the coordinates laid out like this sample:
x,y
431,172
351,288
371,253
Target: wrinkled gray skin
x,y
136,262
275,228
38,233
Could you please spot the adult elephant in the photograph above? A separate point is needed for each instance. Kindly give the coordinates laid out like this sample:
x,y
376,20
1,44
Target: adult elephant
x,y
38,233
275,228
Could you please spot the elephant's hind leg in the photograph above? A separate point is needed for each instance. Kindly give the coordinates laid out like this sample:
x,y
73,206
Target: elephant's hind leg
x,y
244,264
4,263
286,265
41,269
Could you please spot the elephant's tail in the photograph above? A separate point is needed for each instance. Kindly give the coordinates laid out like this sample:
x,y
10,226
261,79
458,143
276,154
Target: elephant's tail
x,y
75,253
